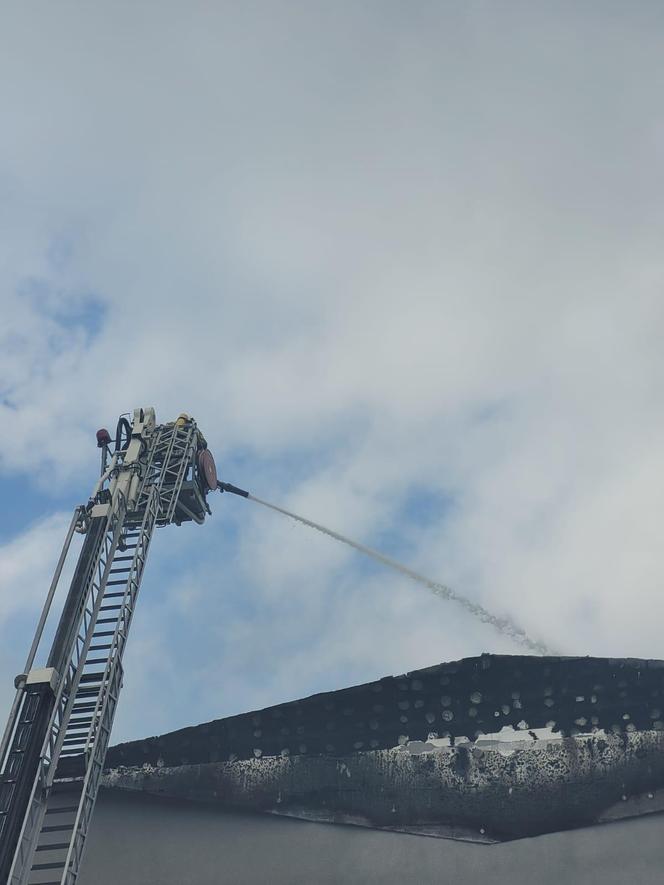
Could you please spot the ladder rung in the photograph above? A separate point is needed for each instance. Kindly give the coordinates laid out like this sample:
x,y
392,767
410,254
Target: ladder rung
x,y
102,633
66,788
116,595
100,647
54,847
96,661
59,829
92,677
122,558
78,726
49,866
75,722
119,571
62,809
114,583
107,620
109,608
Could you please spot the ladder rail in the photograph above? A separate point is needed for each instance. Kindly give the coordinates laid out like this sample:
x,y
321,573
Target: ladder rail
x,y
65,693
161,445
14,712
183,462
89,622
98,736
174,447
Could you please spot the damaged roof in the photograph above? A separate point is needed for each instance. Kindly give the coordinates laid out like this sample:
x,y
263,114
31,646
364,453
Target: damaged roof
x,y
488,748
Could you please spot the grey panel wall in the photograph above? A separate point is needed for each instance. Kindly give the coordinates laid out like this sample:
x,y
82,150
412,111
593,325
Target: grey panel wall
x,y
139,840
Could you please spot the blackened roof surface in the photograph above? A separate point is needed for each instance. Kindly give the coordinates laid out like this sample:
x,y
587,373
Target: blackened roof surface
x,y
461,699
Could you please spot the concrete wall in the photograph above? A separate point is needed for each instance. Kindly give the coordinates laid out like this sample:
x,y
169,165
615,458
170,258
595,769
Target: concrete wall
x,y
140,840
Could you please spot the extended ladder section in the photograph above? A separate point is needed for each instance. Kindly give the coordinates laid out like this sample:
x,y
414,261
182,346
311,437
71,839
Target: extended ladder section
x,y
54,747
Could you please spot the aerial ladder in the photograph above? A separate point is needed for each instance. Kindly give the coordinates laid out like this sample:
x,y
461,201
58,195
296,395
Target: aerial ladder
x,y
54,745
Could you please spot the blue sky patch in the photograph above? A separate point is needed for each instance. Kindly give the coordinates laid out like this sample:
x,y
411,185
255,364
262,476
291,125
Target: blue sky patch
x,y
24,504
69,310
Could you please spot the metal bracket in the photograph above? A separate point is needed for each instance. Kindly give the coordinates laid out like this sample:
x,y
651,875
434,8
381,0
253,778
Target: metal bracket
x,y
43,676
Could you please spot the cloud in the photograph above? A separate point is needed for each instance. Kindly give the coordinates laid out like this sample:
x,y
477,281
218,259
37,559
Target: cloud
x,y
372,251
27,563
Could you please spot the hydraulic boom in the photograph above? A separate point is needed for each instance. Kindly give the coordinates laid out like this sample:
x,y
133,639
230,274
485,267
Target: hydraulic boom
x,y
53,748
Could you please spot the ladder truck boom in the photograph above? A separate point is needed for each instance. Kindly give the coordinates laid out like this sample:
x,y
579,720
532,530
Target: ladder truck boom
x,y
54,745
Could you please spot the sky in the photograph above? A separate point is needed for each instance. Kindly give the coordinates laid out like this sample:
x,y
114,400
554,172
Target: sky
x,y
402,262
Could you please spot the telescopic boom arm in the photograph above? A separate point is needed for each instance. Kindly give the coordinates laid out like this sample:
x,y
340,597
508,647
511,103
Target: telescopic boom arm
x,y
54,745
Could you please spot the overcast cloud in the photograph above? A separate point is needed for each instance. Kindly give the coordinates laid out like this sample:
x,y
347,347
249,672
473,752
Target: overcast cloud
x,y
402,262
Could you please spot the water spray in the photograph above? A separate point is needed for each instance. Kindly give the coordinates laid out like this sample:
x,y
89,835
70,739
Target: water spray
x,y
504,625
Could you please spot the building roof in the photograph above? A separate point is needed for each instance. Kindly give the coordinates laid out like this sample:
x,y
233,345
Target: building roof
x,y
489,748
